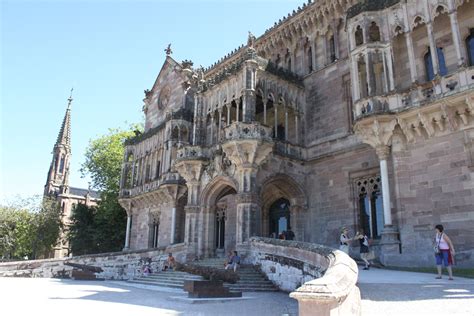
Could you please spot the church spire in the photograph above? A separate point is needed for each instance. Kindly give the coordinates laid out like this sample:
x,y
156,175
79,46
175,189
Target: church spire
x,y
58,175
64,136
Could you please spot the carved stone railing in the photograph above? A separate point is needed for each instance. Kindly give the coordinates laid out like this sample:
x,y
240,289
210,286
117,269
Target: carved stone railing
x,y
417,95
171,178
241,131
192,153
288,150
141,189
322,279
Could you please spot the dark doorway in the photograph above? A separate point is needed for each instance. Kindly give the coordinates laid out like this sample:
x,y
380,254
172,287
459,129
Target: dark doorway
x,y
279,217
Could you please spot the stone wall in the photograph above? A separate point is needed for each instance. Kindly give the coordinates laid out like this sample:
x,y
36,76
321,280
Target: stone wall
x,y
115,265
288,264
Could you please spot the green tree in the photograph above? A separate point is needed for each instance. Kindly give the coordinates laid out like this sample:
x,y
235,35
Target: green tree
x,y
105,229
29,228
82,230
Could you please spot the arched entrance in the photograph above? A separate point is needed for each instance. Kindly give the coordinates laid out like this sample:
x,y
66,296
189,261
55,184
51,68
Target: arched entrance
x,y
219,217
283,207
280,218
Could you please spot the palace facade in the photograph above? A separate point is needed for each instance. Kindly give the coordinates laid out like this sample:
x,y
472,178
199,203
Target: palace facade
x,y
344,113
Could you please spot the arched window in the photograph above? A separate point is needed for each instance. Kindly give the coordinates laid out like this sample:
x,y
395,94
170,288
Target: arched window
x,y
370,206
61,165
374,32
332,49
359,37
470,47
309,56
430,74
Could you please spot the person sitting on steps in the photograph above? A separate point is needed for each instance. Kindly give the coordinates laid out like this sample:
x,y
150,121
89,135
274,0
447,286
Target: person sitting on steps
x,y
234,262
170,262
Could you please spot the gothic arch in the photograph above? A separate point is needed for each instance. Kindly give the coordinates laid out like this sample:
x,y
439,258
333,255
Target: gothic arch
x,y
214,188
282,186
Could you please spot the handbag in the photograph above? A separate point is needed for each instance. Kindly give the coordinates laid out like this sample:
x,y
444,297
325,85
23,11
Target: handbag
x,y
436,247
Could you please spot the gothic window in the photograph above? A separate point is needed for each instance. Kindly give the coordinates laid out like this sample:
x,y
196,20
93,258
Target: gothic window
x,y
309,56
374,32
359,37
147,173
156,225
429,64
332,49
470,47
157,174
61,165
370,205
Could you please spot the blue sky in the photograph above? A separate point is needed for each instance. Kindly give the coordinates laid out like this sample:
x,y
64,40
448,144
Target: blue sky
x,y
109,51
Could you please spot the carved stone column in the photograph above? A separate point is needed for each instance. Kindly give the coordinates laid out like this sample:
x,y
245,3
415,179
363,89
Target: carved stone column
x,y
190,164
453,18
411,56
249,96
247,146
378,132
127,205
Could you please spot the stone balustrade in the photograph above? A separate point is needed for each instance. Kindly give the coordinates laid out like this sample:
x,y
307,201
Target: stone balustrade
x,y
289,150
418,95
322,279
192,153
115,265
243,131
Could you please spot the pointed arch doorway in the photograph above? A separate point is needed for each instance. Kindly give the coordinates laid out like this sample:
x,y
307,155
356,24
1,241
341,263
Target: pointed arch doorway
x,y
280,217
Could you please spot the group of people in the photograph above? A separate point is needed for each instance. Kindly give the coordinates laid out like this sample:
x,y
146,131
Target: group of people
x,y
285,235
443,249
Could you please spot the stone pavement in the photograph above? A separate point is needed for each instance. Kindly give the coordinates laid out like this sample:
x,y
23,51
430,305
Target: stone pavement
x,y
384,293
387,293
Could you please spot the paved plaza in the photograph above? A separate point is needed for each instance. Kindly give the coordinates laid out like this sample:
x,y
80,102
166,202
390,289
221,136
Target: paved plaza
x,y
384,292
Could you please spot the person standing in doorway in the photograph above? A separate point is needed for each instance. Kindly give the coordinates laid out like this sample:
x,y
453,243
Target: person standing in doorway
x,y
444,251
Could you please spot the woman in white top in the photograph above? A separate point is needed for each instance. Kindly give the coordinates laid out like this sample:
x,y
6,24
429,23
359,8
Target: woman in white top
x,y
344,240
446,251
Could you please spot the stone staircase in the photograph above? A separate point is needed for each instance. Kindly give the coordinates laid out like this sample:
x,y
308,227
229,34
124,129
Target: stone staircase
x,y
251,280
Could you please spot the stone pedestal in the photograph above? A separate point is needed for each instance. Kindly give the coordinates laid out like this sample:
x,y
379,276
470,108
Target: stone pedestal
x,y
389,244
208,289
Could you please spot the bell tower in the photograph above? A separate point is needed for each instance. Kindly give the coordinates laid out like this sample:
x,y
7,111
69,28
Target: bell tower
x,y
58,175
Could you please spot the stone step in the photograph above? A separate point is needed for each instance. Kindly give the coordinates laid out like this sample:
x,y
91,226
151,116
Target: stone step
x,y
165,284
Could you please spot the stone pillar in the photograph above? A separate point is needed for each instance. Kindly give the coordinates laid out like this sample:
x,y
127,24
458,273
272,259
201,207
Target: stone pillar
x,y
355,78
456,37
411,56
383,153
212,128
275,106
369,74
389,244
265,112
433,50
173,225
336,39
297,138
286,124
220,126
228,114
127,232
248,216
237,102
297,221
249,97
389,59
313,52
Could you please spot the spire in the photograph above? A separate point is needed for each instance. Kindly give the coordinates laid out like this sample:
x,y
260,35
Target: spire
x,y
64,136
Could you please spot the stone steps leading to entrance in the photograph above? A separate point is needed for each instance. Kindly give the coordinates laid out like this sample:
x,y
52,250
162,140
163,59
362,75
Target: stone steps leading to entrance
x,y
251,280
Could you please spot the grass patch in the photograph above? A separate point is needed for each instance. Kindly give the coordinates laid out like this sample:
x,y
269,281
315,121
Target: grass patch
x,y
459,272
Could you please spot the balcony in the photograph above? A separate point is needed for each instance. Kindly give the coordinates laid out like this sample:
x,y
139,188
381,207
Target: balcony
x,y
417,96
192,153
247,131
289,150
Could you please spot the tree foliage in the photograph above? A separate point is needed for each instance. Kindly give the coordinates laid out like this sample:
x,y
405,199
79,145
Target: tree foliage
x,y
102,229
29,228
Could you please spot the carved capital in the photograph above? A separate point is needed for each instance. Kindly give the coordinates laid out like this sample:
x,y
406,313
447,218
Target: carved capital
x,y
376,131
382,152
